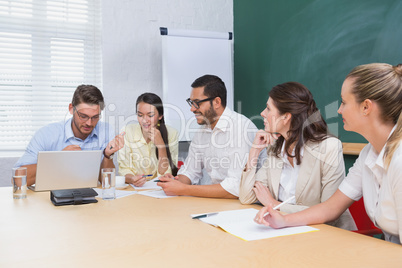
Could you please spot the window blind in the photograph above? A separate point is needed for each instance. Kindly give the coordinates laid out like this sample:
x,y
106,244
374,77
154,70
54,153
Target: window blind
x,y
47,49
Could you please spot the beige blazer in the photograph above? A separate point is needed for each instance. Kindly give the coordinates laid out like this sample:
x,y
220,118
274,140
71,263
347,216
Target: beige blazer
x,y
321,171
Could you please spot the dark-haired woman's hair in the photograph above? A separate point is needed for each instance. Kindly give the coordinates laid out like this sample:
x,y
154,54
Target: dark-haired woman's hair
x,y
154,100
306,123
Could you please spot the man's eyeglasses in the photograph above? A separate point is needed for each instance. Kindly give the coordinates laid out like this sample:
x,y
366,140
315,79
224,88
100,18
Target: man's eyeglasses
x,y
85,117
196,103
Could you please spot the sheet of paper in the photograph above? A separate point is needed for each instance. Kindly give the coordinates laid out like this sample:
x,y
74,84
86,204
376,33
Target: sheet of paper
x,y
119,193
240,223
156,194
148,185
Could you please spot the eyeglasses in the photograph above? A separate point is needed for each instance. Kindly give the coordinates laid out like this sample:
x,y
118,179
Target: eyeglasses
x,y
85,117
196,103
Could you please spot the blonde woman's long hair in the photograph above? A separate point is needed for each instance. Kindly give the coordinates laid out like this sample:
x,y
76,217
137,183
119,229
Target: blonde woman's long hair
x,y
382,83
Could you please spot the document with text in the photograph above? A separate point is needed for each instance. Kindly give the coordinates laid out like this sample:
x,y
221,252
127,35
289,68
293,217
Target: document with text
x,y
156,194
240,223
119,193
147,186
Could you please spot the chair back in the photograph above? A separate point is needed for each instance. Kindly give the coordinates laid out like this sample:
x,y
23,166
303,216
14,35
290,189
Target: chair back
x,y
364,224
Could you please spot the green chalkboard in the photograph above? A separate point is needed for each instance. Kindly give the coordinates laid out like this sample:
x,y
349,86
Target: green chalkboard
x,y
315,43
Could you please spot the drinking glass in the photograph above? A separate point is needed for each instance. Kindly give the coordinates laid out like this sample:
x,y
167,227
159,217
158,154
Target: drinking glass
x,y
108,183
19,182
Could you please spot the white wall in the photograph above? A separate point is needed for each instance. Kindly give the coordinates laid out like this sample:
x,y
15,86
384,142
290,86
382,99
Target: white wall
x,y
132,49
132,60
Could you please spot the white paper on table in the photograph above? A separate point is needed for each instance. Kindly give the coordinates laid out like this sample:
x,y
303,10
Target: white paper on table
x,y
240,223
156,194
148,185
119,193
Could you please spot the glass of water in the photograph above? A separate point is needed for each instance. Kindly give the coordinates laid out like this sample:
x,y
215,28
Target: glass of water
x,y
19,183
108,183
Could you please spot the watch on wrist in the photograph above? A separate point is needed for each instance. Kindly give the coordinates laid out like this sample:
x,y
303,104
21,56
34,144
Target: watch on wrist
x,y
108,157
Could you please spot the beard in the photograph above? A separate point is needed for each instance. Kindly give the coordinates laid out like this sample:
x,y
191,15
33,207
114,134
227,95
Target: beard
x,y
209,117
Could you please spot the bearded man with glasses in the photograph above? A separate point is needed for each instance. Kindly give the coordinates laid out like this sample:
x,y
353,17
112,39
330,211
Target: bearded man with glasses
x,y
218,151
83,131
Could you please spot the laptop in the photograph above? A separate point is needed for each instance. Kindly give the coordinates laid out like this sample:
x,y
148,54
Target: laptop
x,y
57,170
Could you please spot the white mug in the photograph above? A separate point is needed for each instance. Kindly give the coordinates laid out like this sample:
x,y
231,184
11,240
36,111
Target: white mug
x,y
120,181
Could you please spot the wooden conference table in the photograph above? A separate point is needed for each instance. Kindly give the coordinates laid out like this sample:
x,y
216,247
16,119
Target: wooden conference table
x,y
141,231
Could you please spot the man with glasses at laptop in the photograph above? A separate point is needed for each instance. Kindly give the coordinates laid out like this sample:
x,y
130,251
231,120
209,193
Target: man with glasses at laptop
x,y
83,131
220,147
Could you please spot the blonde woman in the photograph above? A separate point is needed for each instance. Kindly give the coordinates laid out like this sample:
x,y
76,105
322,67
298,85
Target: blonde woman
x,y
371,106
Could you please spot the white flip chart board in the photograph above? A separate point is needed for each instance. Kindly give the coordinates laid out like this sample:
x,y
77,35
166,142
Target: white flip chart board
x,y
187,55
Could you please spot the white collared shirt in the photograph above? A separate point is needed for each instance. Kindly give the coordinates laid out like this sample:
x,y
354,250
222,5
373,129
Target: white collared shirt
x,y
289,175
221,152
381,189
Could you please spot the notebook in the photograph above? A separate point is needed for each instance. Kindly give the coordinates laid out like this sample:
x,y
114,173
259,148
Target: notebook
x,y
58,170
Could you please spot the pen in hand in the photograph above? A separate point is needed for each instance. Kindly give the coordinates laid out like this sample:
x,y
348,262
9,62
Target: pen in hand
x,y
281,204
173,178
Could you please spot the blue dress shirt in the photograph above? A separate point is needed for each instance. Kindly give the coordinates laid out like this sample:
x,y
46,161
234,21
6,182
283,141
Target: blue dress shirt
x,y
57,136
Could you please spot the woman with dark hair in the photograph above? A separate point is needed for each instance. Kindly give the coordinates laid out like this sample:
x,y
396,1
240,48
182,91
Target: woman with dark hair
x,y
151,147
303,162
371,106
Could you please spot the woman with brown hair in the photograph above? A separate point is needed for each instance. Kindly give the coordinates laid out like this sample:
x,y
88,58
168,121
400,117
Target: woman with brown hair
x,y
304,161
371,106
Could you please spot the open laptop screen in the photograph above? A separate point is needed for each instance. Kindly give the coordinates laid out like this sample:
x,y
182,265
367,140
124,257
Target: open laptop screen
x,y
67,169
